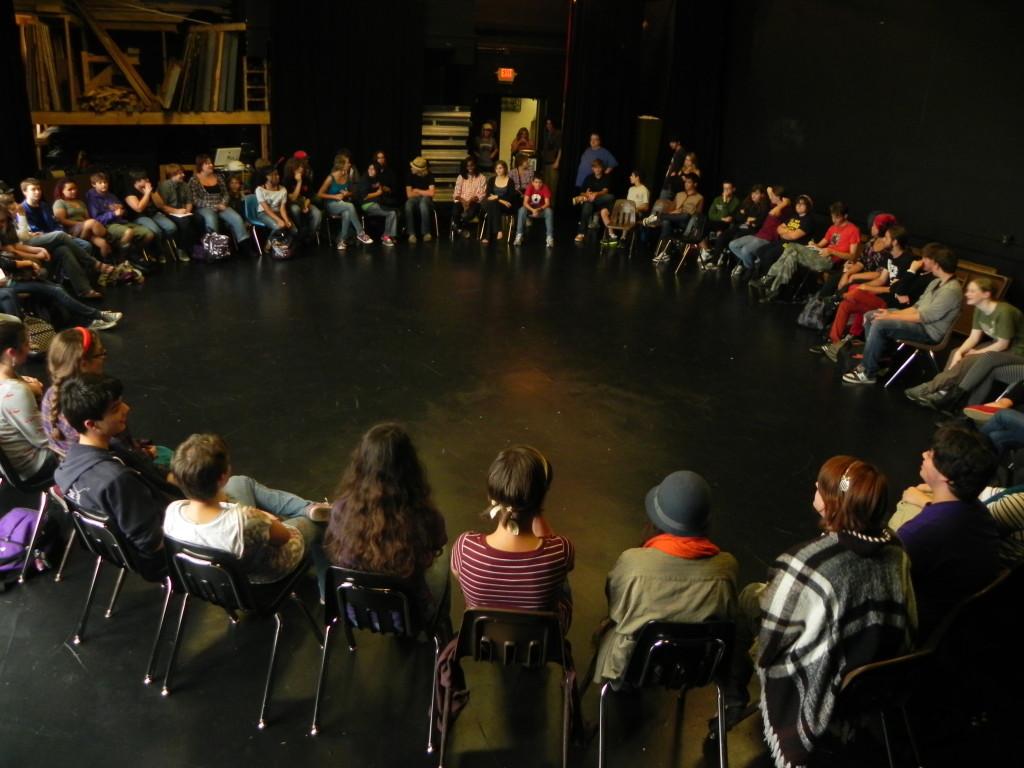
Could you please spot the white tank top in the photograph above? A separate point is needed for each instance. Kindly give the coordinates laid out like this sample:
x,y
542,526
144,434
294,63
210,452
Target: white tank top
x,y
225,532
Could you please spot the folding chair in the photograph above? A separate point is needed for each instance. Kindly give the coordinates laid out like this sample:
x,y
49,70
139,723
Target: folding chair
x,y
215,577
513,638
678,657
252,210
922,346
623,220
506,215
379,604
8,474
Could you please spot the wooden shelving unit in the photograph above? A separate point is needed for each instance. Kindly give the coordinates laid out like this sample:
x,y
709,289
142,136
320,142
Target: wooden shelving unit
x,y
443,137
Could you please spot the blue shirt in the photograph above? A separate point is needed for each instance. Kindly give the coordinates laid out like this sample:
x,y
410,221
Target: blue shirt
x,y
588,157
40,218
953,548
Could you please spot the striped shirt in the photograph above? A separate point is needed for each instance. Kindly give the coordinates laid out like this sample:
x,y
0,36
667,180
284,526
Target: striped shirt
x,y
1007,508
530,581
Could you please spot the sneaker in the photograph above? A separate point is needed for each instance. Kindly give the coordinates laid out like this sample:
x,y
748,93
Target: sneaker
x,y
111,316
579,239
99,324
342,245
915,393
549,242
818,349
466,234
651,220
182,256
412,239
832,351
858,376
386,240
320,512
662,259
613,237
518,240
738,271
364,238
427,237
979,414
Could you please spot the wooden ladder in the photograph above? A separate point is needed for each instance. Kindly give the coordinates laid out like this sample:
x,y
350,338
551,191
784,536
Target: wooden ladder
x,y
256,84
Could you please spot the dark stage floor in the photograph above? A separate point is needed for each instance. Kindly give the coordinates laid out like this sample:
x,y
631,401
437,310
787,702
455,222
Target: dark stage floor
x,y
619,371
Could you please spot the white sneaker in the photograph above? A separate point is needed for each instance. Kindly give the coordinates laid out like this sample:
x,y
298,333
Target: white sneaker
x,y
412,239
651,220
550,242
518,240
858,376
342,245
105,321
364,238
427,237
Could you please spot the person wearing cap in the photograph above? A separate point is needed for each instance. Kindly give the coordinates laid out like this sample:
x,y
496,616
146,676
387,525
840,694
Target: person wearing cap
x,y
485,148
676,574
837,602
419,194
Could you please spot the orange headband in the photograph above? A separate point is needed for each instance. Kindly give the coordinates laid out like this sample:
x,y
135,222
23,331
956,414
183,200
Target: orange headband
x,y
86,338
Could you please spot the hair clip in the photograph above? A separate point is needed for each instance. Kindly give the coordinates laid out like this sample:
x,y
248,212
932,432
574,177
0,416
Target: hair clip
x,y
844,481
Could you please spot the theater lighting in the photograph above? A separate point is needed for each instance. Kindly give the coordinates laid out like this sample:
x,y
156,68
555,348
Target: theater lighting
x,y
506,75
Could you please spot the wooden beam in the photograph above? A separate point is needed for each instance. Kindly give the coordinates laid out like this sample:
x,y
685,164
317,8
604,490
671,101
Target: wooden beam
x,y
120,59
69,52
151,118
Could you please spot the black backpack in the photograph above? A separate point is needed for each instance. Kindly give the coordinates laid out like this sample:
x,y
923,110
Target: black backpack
x,y
281,245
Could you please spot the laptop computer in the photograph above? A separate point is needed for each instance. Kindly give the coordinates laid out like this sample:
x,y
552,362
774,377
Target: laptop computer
x,y
225,155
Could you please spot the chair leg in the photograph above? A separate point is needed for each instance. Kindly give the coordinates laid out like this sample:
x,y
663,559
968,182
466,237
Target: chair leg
x,y
444,718
59,576
566,727
151,666
270,672
315,728
317,633
600,725
899,370
910,737
35,534
723,748
115,594
166,690
682,260
433,688
885,738
80,631
935,363
349,635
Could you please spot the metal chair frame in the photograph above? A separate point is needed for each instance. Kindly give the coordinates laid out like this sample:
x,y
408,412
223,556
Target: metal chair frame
x,y
216,577
374,600
623,217
513,638
252,209
505,215
679,657
920,346
8,474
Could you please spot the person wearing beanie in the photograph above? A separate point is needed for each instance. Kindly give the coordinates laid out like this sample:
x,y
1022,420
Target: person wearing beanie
x,y
676,574
419,196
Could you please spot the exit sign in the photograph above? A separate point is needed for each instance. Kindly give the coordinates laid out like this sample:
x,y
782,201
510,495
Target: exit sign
x,y
506,75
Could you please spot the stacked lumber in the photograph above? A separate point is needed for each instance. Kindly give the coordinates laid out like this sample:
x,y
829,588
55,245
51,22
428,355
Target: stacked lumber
x,y
42,67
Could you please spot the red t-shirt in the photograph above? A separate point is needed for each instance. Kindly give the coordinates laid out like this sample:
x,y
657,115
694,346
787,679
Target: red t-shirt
x,y
536,197
842,237
770,228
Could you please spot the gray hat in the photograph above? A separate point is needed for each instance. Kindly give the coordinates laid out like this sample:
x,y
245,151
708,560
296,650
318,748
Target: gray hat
x,y
680,504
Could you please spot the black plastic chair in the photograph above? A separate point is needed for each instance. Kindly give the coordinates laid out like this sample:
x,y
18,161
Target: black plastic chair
x,y
678,657
691,237
216,577
8,474
513,638
379,604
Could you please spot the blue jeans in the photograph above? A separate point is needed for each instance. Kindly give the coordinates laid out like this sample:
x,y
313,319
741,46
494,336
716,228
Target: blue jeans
x,y
880,333
547,214
1005,429
47,293
269,223
746,249
390,217
70,255
670,221
308,222
425,205
158,224
346,211
229,216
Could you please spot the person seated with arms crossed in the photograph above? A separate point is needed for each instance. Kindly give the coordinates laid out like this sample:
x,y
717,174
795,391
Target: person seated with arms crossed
x,y
101,479
267,547
501,201
384,520
748,248
419,197
638,195
839,245
953,542
73,215
595,195
998,323
721,216
145,201
676,574
176,200
927,321
536,205
470,191
22,438
748,219
131,238
835,603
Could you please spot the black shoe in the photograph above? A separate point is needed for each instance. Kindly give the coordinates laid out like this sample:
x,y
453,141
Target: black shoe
x,y
950,403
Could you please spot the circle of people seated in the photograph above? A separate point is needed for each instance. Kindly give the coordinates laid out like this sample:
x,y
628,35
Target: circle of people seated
x,y
949,537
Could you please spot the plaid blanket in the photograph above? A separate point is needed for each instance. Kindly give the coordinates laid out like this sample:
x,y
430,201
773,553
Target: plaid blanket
x,y
833,604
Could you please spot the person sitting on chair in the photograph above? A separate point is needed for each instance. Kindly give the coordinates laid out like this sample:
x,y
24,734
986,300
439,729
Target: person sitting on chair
x,y
748,219
839,245
177,203
419,193
686,204
384,520
272,200
833,604
677,574
338,190
748,248
470,191
953,542
536,204
998,322
501,201
268,547
926,322
638,195
595,195
144,200
721,216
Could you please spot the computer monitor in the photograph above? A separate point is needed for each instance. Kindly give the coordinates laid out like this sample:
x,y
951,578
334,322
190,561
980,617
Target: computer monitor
x,y
225,155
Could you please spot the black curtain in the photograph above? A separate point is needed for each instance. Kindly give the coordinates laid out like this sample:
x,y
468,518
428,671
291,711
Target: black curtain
x,y
604,46
17,149
347,75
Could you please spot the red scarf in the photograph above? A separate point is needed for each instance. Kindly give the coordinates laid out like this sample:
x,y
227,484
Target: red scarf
x,y
686,547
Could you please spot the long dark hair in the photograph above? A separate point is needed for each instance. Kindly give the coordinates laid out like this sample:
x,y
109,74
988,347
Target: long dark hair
x,y
384,520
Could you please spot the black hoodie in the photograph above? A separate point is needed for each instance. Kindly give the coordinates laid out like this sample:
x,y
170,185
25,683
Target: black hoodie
x,y
121,485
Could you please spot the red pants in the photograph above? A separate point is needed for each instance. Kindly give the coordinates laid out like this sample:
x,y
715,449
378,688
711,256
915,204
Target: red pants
x,y
856,303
